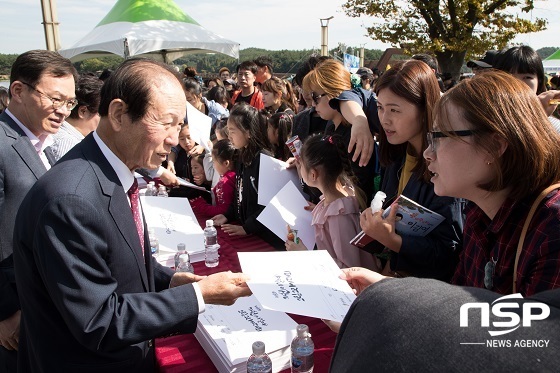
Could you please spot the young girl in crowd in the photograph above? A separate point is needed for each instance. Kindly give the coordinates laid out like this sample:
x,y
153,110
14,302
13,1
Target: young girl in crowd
x,y
406,95
526,65
343,108
278,96
324,164
279,130
223,158
179,162
214,110
246,127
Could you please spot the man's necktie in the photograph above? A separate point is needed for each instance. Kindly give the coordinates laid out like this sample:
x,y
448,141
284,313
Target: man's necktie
x,y
135,207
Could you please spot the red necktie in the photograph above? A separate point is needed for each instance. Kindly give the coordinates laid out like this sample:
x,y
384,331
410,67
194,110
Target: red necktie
x,y
135,207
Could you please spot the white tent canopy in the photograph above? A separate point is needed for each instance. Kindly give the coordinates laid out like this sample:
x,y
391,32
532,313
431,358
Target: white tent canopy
x,y
157,29
552,63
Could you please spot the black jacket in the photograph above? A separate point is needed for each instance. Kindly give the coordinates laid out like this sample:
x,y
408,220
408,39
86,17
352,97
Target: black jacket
x,y
437,254
245,208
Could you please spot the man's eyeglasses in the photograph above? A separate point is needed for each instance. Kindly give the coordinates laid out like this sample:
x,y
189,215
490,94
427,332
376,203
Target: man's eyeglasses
x,y
432,135
56,102
315,97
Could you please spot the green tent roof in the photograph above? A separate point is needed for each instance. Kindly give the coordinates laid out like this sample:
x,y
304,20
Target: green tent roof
x,y
554,56
146,10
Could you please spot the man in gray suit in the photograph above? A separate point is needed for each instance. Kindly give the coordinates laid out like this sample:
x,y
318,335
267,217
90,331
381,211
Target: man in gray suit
x,y
41,97
92,297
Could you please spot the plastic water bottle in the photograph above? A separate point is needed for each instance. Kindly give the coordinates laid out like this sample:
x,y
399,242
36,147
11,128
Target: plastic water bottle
x,y
151,189
181,249
259,362
184,264
211,256
154,242
302,351
162,191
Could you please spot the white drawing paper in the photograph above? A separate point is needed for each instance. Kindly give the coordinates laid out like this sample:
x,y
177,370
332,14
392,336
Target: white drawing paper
x,y
299,282
287,208
174,222
199,126
233,329
273,175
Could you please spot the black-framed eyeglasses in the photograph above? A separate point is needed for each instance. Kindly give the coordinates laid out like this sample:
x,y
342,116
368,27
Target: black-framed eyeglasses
x,y
56,102
432,135
315,97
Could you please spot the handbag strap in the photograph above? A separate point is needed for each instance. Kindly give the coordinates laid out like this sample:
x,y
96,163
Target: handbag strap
x,y
540,197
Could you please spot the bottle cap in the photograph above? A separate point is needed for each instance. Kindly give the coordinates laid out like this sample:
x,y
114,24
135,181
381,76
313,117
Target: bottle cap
x,y
181,247
258,348
209,223
162,187
183,258
302,331
152,183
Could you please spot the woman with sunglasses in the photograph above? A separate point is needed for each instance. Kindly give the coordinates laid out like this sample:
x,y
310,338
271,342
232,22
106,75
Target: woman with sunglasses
x,y
350,114
406,95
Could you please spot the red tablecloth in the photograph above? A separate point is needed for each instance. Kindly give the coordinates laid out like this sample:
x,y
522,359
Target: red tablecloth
x,y
183,353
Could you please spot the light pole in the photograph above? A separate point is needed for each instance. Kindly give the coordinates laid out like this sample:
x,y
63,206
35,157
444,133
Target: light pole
x,y
325,35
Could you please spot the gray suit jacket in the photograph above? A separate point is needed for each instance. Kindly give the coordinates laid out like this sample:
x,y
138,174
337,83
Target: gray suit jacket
x,y
20,167
90,300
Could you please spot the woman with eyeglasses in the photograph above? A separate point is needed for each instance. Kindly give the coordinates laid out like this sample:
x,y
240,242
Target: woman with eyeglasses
x,y
493,145
406,96
351,114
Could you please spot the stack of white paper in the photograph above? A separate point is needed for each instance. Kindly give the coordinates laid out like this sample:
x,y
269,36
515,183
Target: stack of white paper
x,y
227,334
173,222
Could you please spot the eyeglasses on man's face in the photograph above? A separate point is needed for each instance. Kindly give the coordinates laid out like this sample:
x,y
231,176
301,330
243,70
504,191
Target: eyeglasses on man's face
x,y
433,135
56,102
315,97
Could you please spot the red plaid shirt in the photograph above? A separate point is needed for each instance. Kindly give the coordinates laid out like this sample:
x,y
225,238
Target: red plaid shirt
x,y
539,263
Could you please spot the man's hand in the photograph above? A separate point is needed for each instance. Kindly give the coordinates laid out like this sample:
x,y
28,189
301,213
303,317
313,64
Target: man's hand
x,y
9,331
224,288
234,230
182,278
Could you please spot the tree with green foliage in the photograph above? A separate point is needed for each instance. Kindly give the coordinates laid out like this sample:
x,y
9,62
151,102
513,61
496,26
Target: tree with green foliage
x,y
451,29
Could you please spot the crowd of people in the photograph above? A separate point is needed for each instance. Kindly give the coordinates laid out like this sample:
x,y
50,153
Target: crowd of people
x,y
75,264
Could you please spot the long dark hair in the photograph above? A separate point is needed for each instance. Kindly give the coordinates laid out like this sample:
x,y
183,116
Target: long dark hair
x,y
283,123
329,154
415,82
249,120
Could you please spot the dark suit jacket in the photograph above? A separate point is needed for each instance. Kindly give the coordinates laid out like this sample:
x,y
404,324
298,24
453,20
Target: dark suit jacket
x,y
20,167
89,302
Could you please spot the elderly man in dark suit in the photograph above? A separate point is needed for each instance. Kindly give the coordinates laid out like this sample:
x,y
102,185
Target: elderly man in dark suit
x,y
92,297
42,96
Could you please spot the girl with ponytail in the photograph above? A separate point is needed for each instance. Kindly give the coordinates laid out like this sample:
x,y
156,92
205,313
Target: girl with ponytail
x,y
325,165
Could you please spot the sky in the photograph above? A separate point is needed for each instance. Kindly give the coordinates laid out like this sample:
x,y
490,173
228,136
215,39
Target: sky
x,y
268,24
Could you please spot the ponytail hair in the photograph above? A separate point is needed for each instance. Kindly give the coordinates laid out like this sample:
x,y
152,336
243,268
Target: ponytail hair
x,y
251,121
328,153
223,151
283,123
